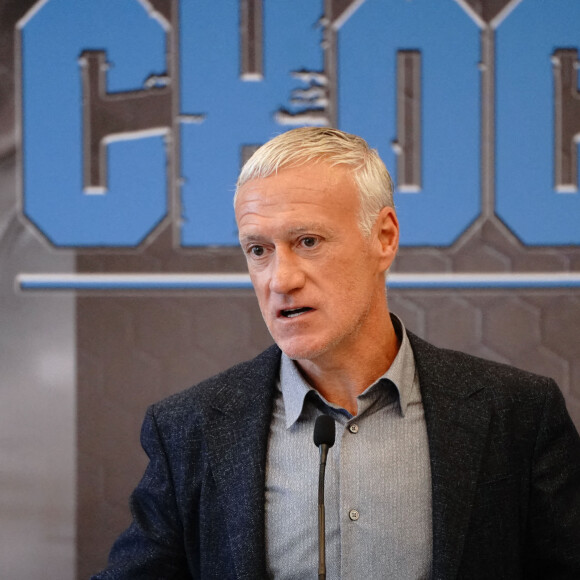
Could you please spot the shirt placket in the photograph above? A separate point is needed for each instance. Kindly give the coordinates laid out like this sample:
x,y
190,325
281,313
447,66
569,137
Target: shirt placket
x,y
353,509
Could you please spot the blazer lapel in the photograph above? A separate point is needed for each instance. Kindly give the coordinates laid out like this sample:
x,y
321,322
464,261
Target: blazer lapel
x,y
457,424
237,436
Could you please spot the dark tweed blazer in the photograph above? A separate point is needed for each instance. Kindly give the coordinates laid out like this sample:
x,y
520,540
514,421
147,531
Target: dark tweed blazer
x,y
505,464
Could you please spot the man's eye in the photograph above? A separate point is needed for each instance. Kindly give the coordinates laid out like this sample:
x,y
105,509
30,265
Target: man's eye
x,y
309,242
257,251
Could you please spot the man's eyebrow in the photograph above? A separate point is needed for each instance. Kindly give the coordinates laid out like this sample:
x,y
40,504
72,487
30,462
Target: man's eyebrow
x,y
310,228
251,238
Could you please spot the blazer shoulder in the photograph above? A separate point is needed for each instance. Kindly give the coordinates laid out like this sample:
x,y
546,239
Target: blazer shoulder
x,y
459,371
244,380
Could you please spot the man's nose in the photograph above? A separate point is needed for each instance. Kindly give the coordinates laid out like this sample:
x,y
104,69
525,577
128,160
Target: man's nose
x,y
287,273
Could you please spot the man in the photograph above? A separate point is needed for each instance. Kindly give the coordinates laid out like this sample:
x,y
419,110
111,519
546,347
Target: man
x,y
445,466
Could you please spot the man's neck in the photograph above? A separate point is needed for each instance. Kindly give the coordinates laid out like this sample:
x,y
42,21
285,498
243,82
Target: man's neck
x,y
342,377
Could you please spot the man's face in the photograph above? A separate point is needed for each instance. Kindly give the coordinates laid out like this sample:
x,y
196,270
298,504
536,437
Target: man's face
x,y
318,280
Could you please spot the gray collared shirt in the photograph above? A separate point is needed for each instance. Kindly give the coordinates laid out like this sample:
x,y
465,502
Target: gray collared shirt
x,y
378,480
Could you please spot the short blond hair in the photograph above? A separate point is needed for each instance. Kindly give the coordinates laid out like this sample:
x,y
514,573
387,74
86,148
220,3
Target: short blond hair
x,y
312,144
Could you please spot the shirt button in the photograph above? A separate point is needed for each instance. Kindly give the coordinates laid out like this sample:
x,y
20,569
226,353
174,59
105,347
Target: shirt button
x,y
353,428
353,515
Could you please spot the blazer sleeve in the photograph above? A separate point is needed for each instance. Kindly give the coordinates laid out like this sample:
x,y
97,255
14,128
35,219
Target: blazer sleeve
x,y
554,525
153,546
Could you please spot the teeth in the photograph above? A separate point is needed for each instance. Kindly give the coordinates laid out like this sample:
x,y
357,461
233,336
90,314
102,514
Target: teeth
x,y
294,313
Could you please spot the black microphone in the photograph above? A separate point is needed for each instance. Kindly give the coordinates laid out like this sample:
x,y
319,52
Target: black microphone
x,y
324,434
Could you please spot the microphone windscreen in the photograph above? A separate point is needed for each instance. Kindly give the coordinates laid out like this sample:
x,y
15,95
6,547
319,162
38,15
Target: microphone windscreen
x,y
324,430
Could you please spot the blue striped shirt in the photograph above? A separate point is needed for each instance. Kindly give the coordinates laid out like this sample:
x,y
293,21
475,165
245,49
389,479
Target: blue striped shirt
x,y
378,480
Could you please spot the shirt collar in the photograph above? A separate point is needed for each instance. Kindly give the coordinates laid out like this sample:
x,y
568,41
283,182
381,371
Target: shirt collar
x,y
401,373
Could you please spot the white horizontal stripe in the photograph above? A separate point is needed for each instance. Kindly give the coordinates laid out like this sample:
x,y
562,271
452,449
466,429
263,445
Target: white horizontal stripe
x,y
236,281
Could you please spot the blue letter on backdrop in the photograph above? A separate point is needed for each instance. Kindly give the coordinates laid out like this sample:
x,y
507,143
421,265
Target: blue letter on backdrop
x,y
526,198
135,200
238,112
448,41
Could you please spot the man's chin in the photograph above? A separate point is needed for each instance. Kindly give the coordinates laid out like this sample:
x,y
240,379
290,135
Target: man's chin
x,y
302,350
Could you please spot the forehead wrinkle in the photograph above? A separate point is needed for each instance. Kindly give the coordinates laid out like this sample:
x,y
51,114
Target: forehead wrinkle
x,y
259,202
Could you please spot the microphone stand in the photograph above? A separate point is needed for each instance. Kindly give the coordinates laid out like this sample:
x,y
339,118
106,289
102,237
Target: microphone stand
x,y
324,434
321,514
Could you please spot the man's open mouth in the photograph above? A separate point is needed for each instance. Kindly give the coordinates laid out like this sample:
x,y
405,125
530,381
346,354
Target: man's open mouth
x,y
293,312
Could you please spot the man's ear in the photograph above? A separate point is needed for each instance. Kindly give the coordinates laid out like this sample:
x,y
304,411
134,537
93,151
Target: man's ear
x,y
387,236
